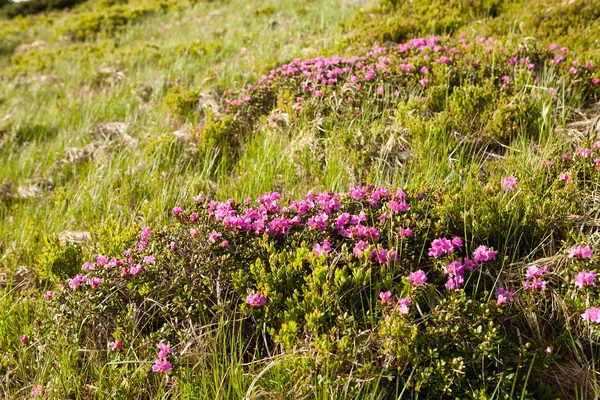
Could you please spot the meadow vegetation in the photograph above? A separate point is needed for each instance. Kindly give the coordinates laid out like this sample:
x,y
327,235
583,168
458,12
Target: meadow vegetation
x,y
288,199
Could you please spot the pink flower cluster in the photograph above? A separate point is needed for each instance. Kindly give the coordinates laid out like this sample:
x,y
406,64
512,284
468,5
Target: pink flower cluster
x,y
581,253
585,278
402,305
255,300
162,365
533,278
591,314
505,296
417,278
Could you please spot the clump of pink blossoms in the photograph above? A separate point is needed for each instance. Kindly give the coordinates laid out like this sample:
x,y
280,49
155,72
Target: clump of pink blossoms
x,y
592,315
533,280
417,278
581,253
505,296
76,282
585,278
440,246
256,300
162,365
509,184
322,248
116,345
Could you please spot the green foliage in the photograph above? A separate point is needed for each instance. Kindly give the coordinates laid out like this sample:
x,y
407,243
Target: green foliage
x,y
12,10
58,261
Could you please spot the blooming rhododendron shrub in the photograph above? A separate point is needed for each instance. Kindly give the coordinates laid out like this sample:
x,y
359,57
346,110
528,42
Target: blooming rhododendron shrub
x,y
335,274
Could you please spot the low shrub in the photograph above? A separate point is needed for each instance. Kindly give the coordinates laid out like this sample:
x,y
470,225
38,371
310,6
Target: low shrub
x,y
376,276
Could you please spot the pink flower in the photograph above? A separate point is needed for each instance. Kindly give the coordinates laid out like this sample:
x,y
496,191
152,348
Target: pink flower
x,y
88,266
533,271
440,247
193,217
386,297
505,296
145,233
199,198
595,81
24,340
424,82
357,192
95,282
193,233
76,282
135,270
322,248
380,91
457,242
101,260
360,248
384,256
405,232
549,351
455,272
214,236
224,244
565,176
592,315
177,211
483,254
583,152
164,351
553,46
589,64
319,221
404,305
509,184
116,345
172,246
36,391
581,253
536,284
585,278
49,294
256,300
149,260
161,366
552,91
417,278
396,207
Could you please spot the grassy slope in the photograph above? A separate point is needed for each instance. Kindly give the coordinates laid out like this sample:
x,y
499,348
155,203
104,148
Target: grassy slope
x,y
209,45
234,43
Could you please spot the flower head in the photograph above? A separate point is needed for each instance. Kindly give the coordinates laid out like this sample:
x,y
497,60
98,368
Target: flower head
x,y
509,184
256,300
581,253
403,305
505,296
585,278
592,315
177,211
116,345
417,278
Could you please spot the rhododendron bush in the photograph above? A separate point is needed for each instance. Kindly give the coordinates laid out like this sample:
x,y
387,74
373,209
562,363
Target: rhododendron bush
x,y
366,276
